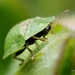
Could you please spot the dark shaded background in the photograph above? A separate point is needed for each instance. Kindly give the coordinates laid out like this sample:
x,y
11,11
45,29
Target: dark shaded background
x,y
14,11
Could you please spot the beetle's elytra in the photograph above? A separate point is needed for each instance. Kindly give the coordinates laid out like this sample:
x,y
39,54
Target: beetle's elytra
x,y
25,33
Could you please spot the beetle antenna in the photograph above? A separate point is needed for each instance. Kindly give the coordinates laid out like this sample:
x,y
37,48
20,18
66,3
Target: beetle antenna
x,y
61,16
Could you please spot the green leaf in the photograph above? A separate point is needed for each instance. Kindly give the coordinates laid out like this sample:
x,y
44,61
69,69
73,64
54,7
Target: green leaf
x,y
65,66
46,59
46,55
50,57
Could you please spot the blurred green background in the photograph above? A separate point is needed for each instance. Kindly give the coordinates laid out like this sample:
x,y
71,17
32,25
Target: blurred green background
x,y
14,11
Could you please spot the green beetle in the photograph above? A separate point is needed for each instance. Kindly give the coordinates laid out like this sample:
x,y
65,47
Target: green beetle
x,y
25,33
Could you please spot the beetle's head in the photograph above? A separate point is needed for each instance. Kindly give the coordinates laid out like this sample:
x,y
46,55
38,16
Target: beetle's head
x,y
51,25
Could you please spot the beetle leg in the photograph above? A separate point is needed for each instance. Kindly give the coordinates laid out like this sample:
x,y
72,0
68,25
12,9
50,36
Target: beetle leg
x,y
15,56
30,52
45,38
17,53
42,39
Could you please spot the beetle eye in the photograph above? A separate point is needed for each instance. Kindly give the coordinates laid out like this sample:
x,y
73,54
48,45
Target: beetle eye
x,y
51,24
